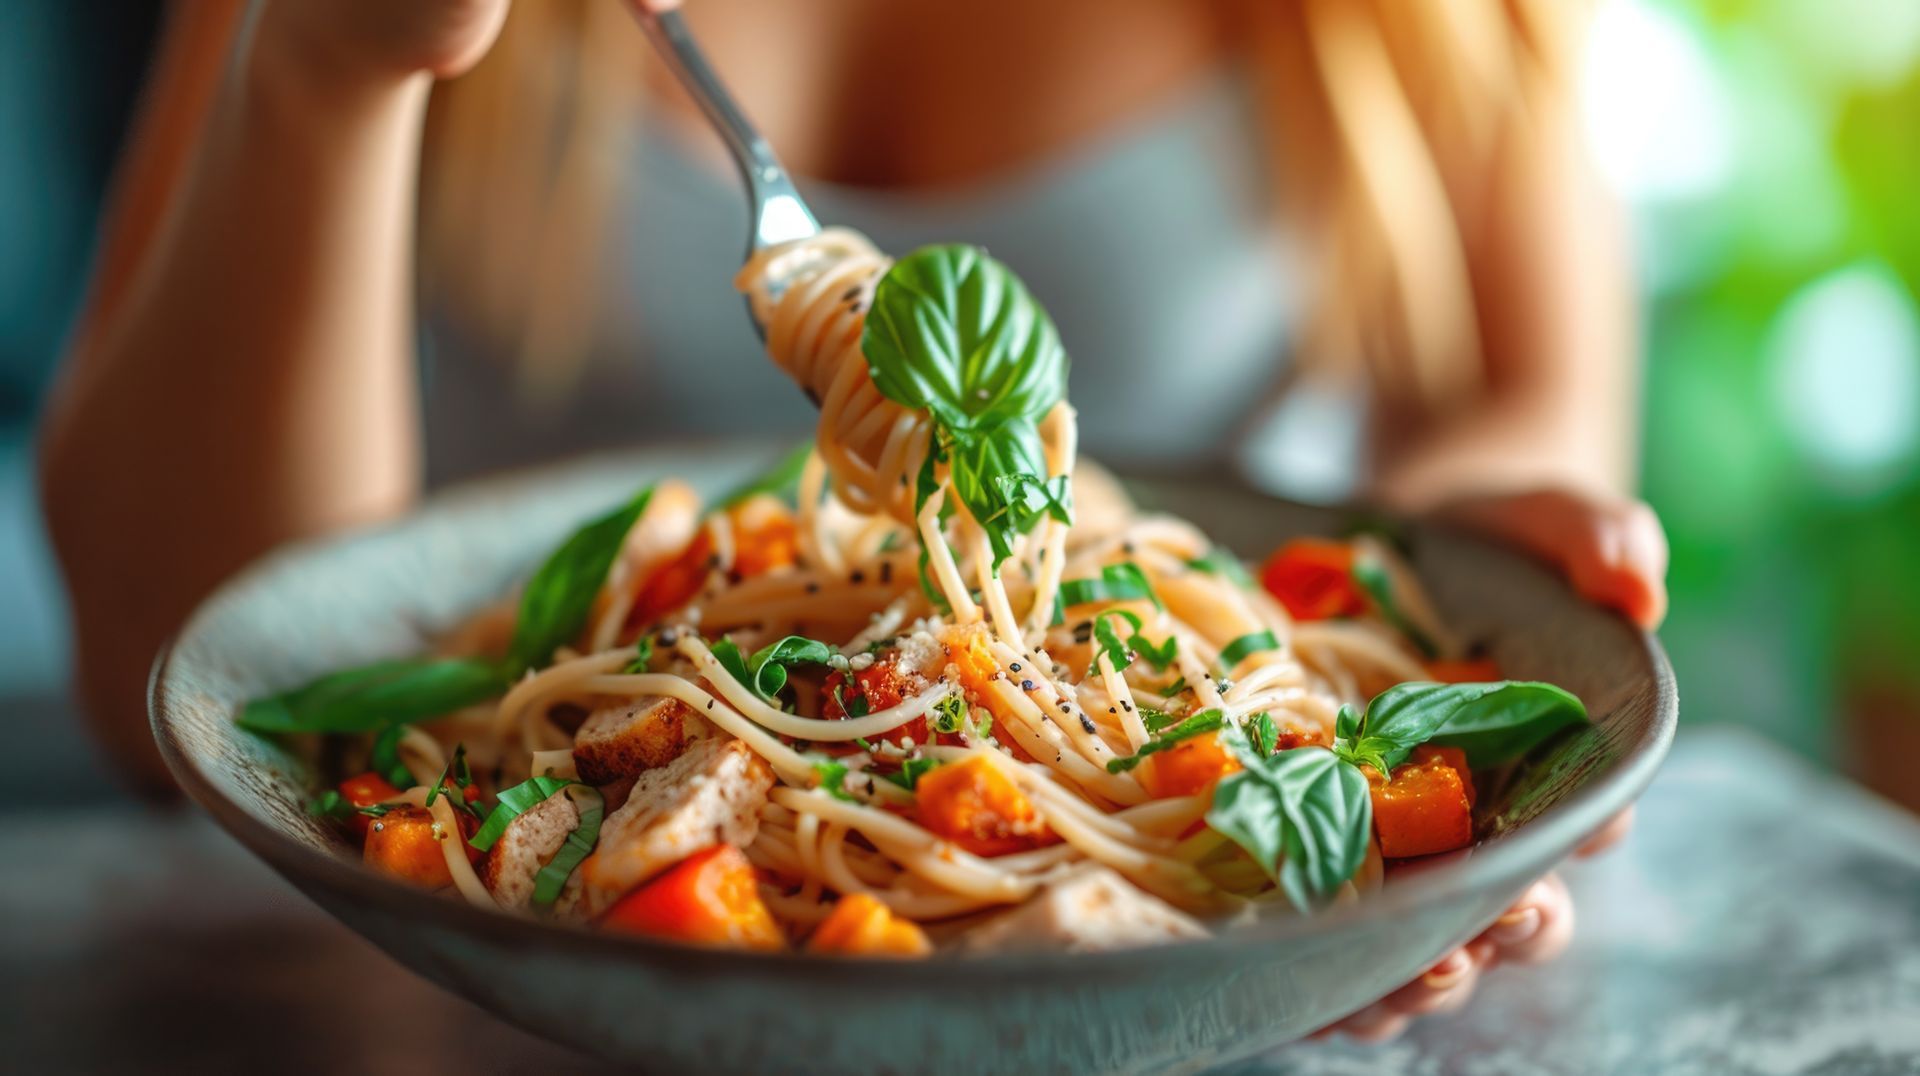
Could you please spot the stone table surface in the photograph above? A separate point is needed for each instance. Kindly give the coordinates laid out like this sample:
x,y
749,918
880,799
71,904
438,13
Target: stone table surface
x,y
1763,919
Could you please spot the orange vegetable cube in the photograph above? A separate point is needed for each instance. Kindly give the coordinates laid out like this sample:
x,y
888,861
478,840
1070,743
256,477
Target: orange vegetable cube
x,y
1313,578
1188,768
764,537
976,806
405,844
859,925
1427,807
709,898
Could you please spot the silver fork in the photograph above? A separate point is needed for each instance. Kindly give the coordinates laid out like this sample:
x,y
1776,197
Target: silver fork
x,y
779,215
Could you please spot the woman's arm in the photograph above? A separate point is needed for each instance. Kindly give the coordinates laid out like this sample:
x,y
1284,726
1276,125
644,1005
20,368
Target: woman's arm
x,y
1546,460
243,371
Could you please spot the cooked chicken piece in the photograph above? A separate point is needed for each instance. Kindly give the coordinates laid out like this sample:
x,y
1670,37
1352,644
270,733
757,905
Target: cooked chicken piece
x,y
624,739
531,840
1092,909
711,794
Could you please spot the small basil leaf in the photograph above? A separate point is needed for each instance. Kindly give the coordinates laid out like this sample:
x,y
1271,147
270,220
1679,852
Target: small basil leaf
x,y
911,771
1199,724
388,692
955,333
999,472
1303,815
1346,726
560,595
385,757
1107,641
831,777
1246,646
767,670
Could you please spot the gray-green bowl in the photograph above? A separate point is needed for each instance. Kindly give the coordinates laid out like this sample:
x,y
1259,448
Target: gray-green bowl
x,y
320,606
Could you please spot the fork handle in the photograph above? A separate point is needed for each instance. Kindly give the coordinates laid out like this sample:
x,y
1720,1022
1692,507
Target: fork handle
x,y
779,213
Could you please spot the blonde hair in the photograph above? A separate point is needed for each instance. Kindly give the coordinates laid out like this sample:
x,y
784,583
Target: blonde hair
x,y
1384,120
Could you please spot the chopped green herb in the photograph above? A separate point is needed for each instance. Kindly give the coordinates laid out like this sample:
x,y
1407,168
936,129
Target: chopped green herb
x,y
1223,563
1155,720
1203,722
385,757
331,804
1373,579
911,771
950,714
765,673
831,777
1246,646
642,656
461,775
513,802
1175,688
1123,582
552,879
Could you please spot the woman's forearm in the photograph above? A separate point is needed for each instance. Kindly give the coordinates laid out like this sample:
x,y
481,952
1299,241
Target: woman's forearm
x,y
256,381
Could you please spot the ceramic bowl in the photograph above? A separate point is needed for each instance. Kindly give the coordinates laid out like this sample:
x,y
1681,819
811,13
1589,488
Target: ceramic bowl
x,y
321,606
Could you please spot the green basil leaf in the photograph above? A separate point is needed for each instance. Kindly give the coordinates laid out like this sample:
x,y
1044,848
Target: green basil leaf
x,y
1199,724
558,598
1266,733
388,692
1107,641
514,802
1245,646
911,771
1346,725
831,776
552,879
782,480
1303,815
955,333
1493,722
1223,563
999,472
765,674
1123,582
1373,579
385,757
1155,720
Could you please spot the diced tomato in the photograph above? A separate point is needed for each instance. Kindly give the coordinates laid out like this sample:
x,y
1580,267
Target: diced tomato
x,y
404,844
1313,578
709,898
1427,807
673,584
859,925
1188,768
976,806
1464,671
881,686
365,790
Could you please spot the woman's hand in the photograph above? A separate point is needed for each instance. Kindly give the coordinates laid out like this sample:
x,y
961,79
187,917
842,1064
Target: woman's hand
x,y
1535,929
1613,551
382,38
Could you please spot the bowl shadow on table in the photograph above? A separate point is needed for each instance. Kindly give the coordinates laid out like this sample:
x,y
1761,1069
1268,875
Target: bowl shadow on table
x,y
328,605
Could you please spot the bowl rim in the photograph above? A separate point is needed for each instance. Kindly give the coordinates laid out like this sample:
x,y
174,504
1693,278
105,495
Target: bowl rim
x,y
1560,826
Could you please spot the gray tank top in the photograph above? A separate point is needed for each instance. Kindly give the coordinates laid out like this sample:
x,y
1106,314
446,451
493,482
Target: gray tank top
x,y
1152,248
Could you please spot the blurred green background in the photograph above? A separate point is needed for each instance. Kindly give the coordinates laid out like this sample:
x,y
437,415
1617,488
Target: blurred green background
x,y
1771,149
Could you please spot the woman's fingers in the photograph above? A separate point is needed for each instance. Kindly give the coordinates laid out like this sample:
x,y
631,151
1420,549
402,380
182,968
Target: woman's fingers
x,y
1608,835
1537,928
1614,552
1445,987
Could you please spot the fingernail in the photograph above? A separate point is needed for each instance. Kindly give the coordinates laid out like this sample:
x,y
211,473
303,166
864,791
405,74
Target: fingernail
x,y
1448,972
1516,926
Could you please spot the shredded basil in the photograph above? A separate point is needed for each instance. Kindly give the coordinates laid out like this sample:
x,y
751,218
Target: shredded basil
x,y
765,673
1245,646
514,802
911,771
950,714
461,775
830,776
1121,582
1203,722
331,804
1222,562
642,656
552,879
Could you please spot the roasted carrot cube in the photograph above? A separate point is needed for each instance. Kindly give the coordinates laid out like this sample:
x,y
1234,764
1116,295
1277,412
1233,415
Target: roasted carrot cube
x,y
405,843
365,790
1464,671
1188,768
859,925
976,806
1427,807
764,537
1313,578
709,898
